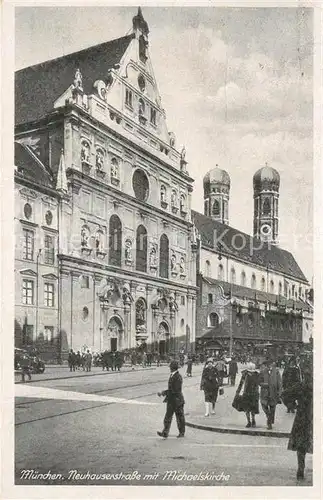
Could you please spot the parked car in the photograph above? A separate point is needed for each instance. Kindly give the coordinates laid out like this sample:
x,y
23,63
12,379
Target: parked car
x,y
37,365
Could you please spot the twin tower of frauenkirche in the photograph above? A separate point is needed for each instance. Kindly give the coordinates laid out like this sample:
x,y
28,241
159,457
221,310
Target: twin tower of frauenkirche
x,y
266,183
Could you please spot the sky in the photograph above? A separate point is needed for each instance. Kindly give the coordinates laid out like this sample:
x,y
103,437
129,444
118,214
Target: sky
x,y
237,87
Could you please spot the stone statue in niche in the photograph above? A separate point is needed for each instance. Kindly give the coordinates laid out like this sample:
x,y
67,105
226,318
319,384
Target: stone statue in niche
x,y
99,240
126,295
78,80
174,199
183,153
172,304
128,250
114,168
173,263
153,257
163,194
85,152
182,203
182,265
99,159
85,234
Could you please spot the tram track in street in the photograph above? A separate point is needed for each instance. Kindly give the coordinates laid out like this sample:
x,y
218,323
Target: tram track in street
x,y
20,405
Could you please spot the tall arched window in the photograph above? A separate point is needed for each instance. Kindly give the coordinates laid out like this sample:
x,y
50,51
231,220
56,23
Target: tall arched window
x,y
216,208
263,284
300,293
243,278
280,288
115,241
141,249
272,286
233,275
220,272
253,281
208,269
163,256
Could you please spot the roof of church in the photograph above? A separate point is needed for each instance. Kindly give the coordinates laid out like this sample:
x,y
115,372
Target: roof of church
x,y
30,167
244,247
251,294
37,87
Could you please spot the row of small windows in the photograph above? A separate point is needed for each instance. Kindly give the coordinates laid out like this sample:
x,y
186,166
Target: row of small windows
x,y
47,336
292,293
282,324
28,249
28,293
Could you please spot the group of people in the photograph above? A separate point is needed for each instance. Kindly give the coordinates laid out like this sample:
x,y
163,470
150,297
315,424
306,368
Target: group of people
x,y
294,388
78,360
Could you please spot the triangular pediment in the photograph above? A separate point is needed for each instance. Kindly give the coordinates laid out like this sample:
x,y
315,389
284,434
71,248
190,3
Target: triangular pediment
x,y
28,272
50,276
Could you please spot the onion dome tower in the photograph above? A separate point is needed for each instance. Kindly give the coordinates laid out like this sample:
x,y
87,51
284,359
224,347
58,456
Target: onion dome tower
x,y
266,183
216,185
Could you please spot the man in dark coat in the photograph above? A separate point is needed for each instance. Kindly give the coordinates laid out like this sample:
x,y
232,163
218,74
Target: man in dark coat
x,y
175,402
233,370
291,380
270,390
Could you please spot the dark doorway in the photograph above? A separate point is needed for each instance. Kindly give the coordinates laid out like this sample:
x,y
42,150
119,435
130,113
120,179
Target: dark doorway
x,y
114,344
162,347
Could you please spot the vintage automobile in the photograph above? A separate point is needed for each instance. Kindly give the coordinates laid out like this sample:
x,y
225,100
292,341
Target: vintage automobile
x,y
36,364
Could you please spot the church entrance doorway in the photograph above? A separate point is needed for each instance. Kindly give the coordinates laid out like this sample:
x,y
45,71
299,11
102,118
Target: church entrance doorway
x,y
113,339
163,339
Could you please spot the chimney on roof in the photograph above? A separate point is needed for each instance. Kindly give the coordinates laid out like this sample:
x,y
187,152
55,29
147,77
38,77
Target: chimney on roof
x,y
61,182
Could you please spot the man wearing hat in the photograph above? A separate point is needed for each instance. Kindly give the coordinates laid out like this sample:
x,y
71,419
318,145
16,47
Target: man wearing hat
x,y
270,390
175,402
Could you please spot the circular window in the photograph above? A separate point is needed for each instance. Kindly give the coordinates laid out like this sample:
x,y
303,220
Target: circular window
x,y
85,313
49,218
28,210
265,229
141,83
140,185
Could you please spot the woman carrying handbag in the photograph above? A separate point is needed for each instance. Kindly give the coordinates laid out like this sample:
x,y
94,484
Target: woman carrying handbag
x,y
248,401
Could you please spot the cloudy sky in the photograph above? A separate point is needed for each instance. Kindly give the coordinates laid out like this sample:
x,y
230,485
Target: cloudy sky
x,y
236,84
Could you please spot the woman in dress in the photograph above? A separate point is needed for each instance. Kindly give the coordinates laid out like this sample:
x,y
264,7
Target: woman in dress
x,y
210,386
250,384
301,437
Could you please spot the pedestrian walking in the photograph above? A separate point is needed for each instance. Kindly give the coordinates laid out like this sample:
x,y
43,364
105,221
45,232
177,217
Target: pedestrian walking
x,y
25,365
301,437
210,384
88,361
290,383
71,360
189,365
175,402
78,360
270,390
233,370
221,369
250,394
144,359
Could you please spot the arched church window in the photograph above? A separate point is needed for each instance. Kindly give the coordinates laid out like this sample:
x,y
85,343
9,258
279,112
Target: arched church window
x,y
210,298
216,208
272,286
300,294
220,272
208,269
163,256
266,206
253,281
263,284
280,288
140,185
141,249
115,241
243,278
233,275
213,320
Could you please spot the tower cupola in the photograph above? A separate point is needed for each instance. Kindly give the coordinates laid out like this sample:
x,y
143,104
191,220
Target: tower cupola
x,y
266,183
216,184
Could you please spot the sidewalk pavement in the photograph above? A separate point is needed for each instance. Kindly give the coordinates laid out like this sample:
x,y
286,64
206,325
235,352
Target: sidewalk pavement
x,y
53,372
229,420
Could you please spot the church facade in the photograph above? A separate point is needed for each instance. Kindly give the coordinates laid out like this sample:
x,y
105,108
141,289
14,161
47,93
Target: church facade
x,y
252,294
123,271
